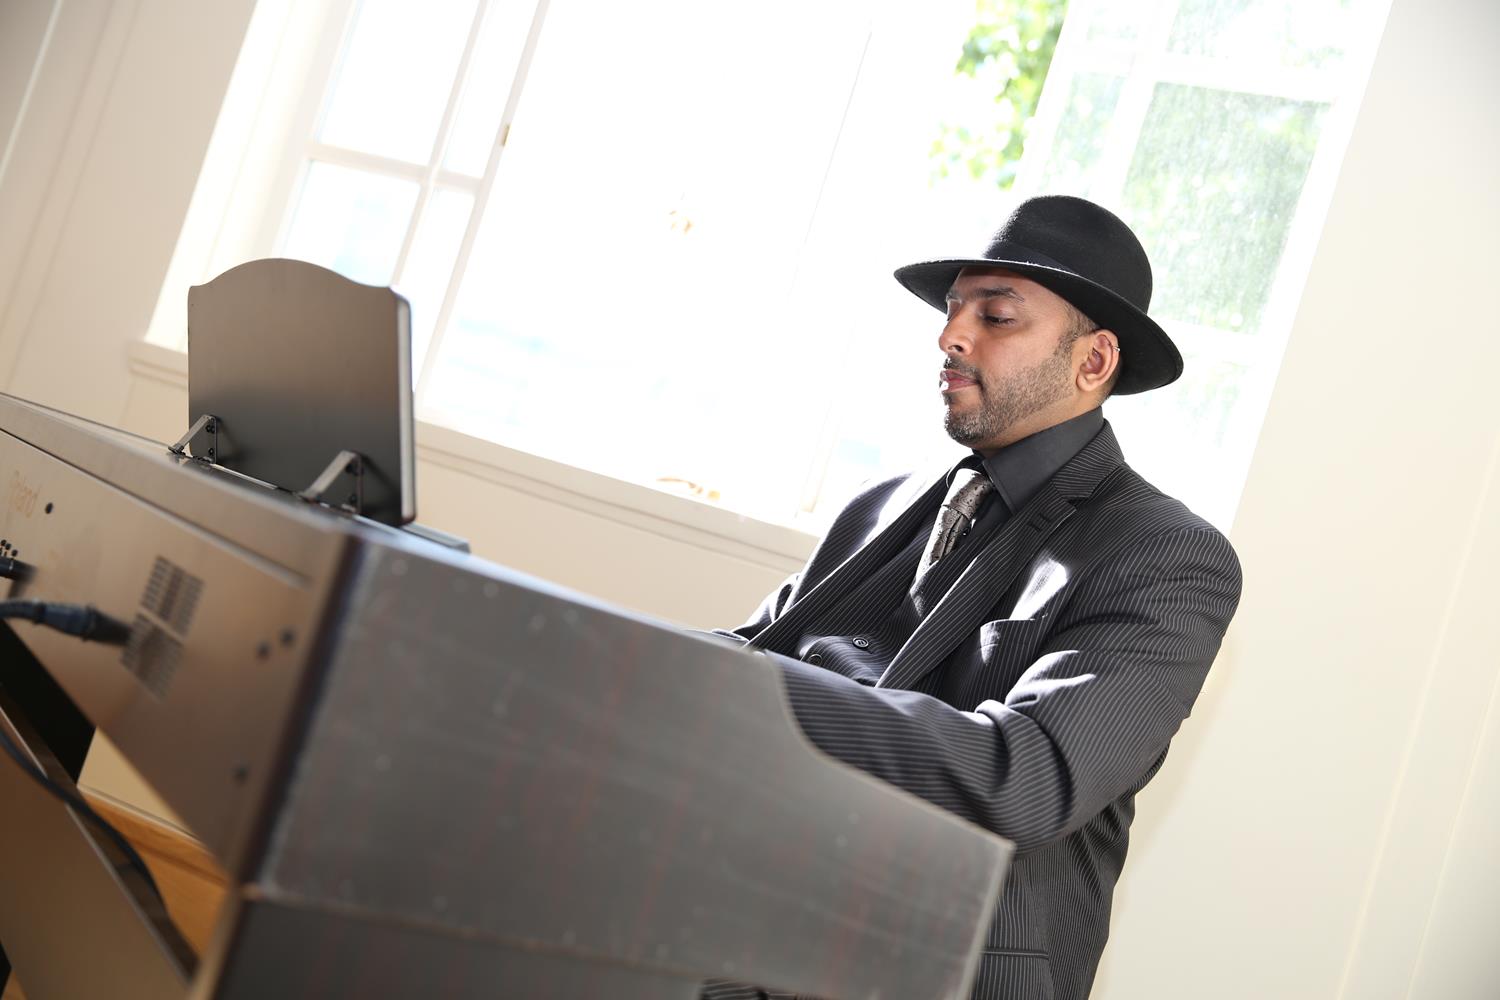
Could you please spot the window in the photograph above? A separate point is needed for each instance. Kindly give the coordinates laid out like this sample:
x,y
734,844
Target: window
x,y
1215,129
654,240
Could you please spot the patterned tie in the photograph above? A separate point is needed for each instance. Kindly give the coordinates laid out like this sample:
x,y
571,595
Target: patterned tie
x,y
956,516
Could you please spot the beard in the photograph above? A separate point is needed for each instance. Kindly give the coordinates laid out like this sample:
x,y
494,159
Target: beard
x,y
1008,399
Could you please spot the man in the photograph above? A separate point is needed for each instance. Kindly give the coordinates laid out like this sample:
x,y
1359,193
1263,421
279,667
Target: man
x,y
1018,640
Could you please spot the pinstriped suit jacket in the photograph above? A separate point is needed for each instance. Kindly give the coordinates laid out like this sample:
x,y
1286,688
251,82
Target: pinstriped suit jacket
x,y
1037,696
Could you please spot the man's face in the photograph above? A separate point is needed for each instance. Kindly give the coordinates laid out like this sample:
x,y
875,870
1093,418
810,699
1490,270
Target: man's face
x,y
1008,368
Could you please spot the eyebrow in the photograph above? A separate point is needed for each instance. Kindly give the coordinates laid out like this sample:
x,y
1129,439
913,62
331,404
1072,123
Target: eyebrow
x,y
990,292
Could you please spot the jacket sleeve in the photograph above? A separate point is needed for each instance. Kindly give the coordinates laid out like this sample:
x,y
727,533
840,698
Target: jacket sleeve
x,y
1084,723
770,609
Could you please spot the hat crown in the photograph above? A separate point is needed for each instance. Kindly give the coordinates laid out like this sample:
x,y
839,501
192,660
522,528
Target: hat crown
x,y
1079,236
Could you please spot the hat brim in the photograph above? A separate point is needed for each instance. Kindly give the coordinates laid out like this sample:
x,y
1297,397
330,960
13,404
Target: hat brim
x,y
1149,358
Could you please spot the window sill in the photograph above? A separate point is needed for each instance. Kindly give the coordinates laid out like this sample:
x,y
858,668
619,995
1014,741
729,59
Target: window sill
x,y
679,518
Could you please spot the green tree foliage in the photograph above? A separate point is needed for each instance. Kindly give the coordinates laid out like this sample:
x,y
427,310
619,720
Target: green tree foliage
x,y
1006,54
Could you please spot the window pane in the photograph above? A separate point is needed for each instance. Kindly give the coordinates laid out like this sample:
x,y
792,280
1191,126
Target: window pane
x,y
1294,33
351,222
434,249
1211,192
491,70
393,83
626,303
1117,20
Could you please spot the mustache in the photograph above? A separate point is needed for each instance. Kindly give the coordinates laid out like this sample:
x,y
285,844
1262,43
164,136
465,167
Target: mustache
x,y
967,371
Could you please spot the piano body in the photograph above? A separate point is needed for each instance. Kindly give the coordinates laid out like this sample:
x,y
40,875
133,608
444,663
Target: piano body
x,y
426,774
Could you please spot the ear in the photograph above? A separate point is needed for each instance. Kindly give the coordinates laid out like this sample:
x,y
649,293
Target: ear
x,y
1101,359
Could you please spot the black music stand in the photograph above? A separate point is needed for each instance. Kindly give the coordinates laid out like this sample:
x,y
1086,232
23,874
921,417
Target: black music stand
x,y
301,378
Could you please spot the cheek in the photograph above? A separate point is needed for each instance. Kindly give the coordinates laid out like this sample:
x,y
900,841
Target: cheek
x,y
1020,353
998,361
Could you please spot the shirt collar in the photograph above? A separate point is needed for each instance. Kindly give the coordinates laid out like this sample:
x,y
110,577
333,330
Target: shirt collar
x,y
1018,470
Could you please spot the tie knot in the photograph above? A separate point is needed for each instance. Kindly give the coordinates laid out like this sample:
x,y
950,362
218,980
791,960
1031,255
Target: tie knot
x,y
956,516
967,492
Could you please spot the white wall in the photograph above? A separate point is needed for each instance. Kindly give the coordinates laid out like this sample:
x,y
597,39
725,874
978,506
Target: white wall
x,y
105,157
1327,825
1324,827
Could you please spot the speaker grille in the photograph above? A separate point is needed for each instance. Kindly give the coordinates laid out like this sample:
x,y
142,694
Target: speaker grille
x,y
172,595
156,635
152,655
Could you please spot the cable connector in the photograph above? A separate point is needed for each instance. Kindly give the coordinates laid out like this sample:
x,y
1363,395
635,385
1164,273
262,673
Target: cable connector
x,y
83,620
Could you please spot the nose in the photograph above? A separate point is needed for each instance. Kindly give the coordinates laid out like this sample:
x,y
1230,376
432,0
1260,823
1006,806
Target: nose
x,y
954,341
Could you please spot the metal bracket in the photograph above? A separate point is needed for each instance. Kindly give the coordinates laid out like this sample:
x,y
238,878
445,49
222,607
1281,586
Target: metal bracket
x,y
206,424
349,463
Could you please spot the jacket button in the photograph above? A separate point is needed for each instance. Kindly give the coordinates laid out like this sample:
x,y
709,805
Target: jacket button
x,y
862,643
815,659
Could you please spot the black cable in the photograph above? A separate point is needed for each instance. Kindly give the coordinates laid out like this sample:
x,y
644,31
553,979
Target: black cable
x,y
83,620
89,624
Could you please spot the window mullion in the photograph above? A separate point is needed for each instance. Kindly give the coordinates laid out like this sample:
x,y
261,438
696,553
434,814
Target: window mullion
x,y
481,201
1135,101
368,162
454,180
1052,106
332,45
1269,81
440,141
1221,345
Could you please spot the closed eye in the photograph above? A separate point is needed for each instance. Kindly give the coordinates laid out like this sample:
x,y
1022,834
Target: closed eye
x,y
998,320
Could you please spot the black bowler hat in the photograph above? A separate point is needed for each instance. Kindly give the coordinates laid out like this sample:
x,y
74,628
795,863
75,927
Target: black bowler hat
x,y
1089,257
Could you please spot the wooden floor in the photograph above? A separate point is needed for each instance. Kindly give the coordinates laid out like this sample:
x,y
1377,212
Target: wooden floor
x,y
191,882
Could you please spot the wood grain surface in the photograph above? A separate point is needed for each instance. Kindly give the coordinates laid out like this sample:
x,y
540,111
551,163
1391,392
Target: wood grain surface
x,y
191,881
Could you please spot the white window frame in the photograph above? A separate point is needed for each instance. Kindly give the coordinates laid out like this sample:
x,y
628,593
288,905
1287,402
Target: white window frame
x,y
429,177
1143,65
272,105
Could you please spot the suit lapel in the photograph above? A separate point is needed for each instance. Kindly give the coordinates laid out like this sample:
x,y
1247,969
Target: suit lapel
x,y
880,549
969,601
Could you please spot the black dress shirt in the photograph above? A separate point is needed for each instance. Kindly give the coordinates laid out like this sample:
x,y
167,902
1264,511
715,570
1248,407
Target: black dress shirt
x,y
1019,470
